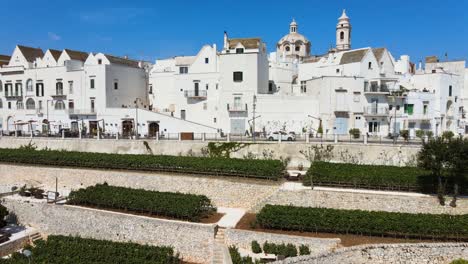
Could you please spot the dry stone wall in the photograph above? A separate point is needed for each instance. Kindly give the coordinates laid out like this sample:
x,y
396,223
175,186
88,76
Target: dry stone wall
x,y
244,238
193,241
440,253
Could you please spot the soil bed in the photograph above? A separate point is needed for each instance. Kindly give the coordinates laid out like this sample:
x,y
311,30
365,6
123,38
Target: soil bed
x,y
347,240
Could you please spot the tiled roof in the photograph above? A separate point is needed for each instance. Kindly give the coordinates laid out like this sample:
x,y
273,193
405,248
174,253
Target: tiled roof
x,y
55,53
31,54
378,53
122,61
248,43
353,56
432,59
77,55
4,60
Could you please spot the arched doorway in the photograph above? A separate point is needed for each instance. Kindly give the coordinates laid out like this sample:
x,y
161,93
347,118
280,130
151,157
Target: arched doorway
x,y
153,128
127,128
10,124
45,126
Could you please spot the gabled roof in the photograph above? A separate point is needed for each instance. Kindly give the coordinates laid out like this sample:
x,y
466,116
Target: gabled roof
x,y
378,53
122,61
31,54
185,60
353,56
77,55
55,53
248,43
4,60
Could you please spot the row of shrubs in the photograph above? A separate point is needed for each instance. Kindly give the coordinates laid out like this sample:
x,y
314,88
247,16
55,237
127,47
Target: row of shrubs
x,y
286,250
369,176
3,214
74,250
236,257
265,169
176,205
430,226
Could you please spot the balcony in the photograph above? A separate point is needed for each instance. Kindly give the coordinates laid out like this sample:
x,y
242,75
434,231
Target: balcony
x,y
82,112
376,111
59,96
196,94
376,89
13,96
237,108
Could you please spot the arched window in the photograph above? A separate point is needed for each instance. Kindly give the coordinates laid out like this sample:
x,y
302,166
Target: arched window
x,y
59,105
287,48
30,104
298,48
19,104
370,66
341,35
29,85
59,88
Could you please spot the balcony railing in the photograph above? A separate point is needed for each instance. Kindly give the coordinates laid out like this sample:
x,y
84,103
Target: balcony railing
x,y
237,107
202,94
13,95
82,111
376,111
375,88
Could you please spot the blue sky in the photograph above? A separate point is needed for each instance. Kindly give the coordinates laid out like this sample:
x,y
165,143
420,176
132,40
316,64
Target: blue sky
x,y
158,29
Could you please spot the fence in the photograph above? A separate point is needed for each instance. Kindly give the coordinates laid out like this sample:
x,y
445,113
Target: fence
x,y
216,137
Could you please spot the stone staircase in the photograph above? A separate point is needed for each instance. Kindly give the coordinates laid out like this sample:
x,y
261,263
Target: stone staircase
x,y
218,248
35,237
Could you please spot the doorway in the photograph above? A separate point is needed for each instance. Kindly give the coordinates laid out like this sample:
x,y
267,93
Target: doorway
x,y
93,127
153,128
127,128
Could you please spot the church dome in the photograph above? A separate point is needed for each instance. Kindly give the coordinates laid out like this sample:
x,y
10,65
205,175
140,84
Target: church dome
x,y
293,45
293,36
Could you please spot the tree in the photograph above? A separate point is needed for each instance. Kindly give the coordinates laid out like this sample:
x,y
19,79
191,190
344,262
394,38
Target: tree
x,y
3,214
458,165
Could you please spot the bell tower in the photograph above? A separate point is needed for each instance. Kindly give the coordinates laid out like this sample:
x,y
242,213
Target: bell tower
x,y
343,33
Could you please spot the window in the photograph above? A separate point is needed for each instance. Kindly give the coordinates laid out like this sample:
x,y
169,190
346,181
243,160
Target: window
x,y
39,105
39,89
206,86
303,86
450,90
92,105
1,87
298,48
59,105
205,106
99,61
287,48
270,87
337,70
30,104
217,85
9,105
29,85
358,118
356,97
390,107
151,89
18,89
398,107
70,87
408,109
182,114
207,60
374,127
341,35
183,70
1,104
116,85
71,104
370,66
59,88
8,89
214,120
91,83
237,76
425,106
239,50
19,104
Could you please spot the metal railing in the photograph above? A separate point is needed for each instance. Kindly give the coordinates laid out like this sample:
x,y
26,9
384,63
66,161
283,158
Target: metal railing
x,y
374,110
375,88
195,93
237,107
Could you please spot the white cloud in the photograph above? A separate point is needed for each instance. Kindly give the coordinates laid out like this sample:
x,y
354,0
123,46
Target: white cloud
x,y
54,36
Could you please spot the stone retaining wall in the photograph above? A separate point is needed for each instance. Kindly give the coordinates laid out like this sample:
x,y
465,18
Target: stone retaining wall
x,y
193,241
405,203
244,238
12,246
440,253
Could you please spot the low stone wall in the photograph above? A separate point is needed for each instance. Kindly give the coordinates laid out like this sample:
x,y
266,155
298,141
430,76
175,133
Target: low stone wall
x,y
193,241
226,192
370,201
244,238
441,253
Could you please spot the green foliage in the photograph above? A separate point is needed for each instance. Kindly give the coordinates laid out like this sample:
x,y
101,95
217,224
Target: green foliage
x,y
367,176
429,133
256,247
404,134
304,250
265,169
364,222
459,261
224,150
287,251
3,214
74,250
355,132
447,135
320,128
420,133
177,205
236,257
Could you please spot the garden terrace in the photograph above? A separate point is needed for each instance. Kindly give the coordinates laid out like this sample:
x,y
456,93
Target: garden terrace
x,y
175,205
377,177
74,250
262,169
404,225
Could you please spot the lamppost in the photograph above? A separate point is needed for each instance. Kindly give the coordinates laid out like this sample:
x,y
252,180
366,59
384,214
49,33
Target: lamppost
x,y
48,121
394,117
136,116
253,119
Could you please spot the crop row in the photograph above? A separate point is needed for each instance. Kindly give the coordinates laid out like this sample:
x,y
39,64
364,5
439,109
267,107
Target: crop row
x,y
176,205
74,250
265,169
453,227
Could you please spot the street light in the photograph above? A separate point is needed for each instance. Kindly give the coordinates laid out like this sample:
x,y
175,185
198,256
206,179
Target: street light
x,y
136,116
253,119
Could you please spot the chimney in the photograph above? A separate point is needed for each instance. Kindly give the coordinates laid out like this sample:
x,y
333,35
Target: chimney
x,y
226,41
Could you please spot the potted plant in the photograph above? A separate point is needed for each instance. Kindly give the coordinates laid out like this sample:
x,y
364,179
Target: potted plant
x,y
355,132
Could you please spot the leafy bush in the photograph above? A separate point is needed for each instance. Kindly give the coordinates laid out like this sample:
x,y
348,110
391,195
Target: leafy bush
x,y
441,226
420,133
368,176
256,247
447,135
304,250
404,134
265,169
177,205
459,261
74,250
236,257
287,251
355,132
3,214
429,133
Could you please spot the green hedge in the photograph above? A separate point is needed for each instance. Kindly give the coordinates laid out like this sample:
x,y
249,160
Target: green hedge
x,y
3,214
369,177
459,261
74,250
453,227
265,169
177,205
